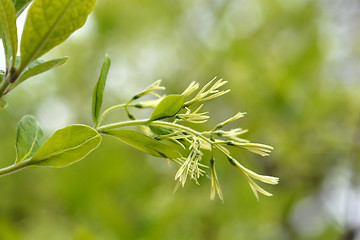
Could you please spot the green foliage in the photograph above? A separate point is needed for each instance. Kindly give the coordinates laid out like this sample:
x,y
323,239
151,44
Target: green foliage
x,y
168,107
49,25
99,90
66,146
144,143
194,142
37,67
29,138
72,143
20,6
282,61
160,130
8,30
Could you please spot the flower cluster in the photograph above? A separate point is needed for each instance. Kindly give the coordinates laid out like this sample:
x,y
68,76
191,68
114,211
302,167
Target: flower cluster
x,y
172,129
208,92
193,116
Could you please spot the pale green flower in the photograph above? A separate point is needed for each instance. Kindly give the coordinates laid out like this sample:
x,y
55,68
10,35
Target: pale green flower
x,y
190,89
149,103
193,117
234,118
215,185
149,90
208,92
250,174
194,143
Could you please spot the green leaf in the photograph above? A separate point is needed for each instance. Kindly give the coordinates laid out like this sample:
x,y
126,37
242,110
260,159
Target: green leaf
x,y
3,104
168,107
99,89
49,23
7,49
160,130
38,67
29,138
144,143
66,146
8,28
20,6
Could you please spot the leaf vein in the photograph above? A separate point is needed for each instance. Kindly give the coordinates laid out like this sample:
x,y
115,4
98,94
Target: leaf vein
x,y
33,143
47,35
68,149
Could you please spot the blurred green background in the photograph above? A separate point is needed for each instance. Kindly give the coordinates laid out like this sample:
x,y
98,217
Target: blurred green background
x,y
294,66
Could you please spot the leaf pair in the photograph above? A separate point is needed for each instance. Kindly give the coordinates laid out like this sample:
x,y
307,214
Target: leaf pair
x,y
64,147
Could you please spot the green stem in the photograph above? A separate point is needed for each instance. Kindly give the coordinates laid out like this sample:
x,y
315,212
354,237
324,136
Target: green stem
x,y
4,85
111,109
14,168
18,166
178,126
147,122
122,124
9,78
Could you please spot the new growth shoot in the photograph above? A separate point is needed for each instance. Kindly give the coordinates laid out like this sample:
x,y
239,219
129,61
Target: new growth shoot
x,y
166,125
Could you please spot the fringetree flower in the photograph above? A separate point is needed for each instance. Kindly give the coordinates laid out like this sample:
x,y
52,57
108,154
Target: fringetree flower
x,y
166,125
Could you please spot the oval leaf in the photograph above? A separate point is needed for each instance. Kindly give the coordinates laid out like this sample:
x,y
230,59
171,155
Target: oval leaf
x,y
99,89
168,107
145,143
49,23
8,26
37,67
161,130
66,146
29,138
